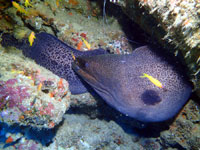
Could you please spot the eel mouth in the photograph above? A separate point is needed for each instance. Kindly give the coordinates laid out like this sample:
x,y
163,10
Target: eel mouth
x,y
80,66
83,68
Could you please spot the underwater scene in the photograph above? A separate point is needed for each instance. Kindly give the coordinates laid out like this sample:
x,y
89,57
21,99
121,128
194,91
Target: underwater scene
x,y
99,75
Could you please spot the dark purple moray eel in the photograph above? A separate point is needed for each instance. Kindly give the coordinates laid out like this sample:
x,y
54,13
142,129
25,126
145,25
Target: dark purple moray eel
x,y
53,54
117,79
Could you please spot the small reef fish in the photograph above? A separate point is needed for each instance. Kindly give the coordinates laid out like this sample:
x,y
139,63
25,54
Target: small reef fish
x,y
51,94
60,84
19,8
31,38
17,71
27,3
57,3
79,45
153,80
9,140
39,87
74,58
86,43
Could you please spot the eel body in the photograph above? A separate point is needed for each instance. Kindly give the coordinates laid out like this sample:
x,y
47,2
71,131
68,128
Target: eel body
x,y
117,79
53,54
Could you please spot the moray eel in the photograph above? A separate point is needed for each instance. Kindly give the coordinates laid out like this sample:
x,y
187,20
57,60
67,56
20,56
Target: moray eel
x,y
53,54
117,79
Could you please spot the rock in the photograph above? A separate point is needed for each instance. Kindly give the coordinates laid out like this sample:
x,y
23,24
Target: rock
x,y
30,94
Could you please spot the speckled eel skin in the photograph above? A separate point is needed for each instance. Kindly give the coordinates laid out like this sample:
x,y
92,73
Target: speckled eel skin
x,y
53,54
117,79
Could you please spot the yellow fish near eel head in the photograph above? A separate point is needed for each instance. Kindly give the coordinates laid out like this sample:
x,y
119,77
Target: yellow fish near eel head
x,y
31,38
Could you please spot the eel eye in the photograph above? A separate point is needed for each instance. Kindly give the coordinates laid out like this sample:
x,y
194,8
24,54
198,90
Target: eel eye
x,y
82,63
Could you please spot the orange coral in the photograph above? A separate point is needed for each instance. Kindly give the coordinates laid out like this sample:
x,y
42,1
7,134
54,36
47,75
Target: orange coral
x,y
51,124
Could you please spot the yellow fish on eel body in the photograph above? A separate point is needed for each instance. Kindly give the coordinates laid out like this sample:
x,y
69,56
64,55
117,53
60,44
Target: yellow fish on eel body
x,y
153,80
31,38
19,8
73,56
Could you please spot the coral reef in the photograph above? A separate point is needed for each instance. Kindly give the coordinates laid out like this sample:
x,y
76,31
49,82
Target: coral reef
x,y
68,24
84,134
185,130
80,132
29,94
38,101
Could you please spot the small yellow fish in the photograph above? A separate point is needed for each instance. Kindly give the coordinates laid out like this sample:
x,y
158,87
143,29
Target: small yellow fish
x,y
39,87
86,43
27,3
153,80
17,71
19,8
31,38
57,3
74,58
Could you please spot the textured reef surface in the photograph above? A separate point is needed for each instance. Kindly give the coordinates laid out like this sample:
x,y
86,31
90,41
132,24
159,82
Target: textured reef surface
x,y
37,110
26,92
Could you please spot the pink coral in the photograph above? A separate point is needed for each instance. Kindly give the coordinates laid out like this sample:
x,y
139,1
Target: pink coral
x,y
47,110
12,95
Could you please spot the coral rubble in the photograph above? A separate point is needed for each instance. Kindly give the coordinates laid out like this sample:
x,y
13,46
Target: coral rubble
x,y
29,94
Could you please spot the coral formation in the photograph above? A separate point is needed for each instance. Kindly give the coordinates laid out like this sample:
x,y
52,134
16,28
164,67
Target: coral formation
x,y
25,94
185,130
105,135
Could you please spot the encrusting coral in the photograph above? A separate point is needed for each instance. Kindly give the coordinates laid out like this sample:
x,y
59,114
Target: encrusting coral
x,y
30,95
